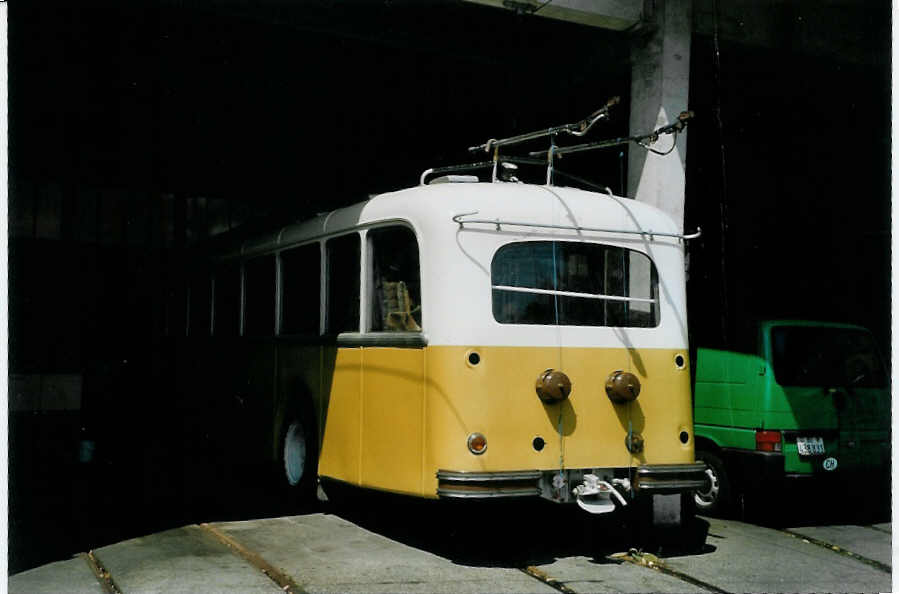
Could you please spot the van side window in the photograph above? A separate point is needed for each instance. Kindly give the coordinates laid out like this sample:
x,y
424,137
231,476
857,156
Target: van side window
x,y
259,296
813,356
342,312
226,289
301,290
574,284
395,295
200,303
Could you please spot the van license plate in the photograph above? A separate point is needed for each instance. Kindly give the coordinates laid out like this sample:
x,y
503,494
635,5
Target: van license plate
x,y
810,446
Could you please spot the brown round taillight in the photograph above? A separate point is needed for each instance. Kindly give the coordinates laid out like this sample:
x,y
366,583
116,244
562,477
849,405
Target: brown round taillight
x,y
477,443
553,386
622,386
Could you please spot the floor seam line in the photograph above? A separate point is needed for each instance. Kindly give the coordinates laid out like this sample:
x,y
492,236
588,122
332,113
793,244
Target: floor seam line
x,y
104,577
284,581
839,550
662,568
540,576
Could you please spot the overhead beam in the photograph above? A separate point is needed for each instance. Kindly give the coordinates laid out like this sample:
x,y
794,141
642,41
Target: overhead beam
x,y
617,15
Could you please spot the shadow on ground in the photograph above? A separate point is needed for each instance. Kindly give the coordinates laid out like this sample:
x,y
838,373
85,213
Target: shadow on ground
x,y
153,480
850,504
510,533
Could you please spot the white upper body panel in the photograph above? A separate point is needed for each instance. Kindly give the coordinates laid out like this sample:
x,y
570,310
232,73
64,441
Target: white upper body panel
x,y
456,259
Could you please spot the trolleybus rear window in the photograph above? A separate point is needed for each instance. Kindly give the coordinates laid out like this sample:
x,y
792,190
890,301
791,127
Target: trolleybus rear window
x,y
574,284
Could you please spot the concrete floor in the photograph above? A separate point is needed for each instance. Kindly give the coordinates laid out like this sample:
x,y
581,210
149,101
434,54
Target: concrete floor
x,y
413,551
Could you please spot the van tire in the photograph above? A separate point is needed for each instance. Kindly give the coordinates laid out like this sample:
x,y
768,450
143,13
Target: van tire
x,y
716,500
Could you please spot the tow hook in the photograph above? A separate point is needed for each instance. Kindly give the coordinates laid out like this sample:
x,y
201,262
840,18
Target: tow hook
x,y
595,495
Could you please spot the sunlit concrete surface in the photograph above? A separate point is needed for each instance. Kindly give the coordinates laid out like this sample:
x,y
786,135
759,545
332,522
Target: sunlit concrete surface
x,y
750,558
178,560
329,553
866,541
73,575
325,553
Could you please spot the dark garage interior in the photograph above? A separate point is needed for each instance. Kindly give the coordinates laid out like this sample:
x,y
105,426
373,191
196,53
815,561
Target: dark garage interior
x,y
143,134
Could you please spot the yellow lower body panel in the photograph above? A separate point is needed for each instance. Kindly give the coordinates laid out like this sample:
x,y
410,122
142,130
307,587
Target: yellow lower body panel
x,y
396,416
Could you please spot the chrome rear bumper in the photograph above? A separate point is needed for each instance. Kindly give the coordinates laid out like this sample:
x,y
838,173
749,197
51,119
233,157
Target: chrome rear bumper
x,y
670,478
485,485
648,479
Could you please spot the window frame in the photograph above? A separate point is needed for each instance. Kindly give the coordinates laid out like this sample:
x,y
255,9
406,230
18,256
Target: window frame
x,y
368,280
279,307
653,287
326,283
223,269
272,257
363,335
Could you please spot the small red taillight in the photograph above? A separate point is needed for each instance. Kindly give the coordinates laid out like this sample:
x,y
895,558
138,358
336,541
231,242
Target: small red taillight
x,y
768,441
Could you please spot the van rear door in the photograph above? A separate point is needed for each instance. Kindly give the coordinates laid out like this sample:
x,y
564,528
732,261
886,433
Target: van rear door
x,y
831,377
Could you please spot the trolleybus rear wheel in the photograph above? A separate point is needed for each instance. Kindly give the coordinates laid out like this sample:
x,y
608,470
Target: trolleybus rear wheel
x,y
298,460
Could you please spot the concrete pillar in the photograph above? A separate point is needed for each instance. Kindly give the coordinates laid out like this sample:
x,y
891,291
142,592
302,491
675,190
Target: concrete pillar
x,y
660,77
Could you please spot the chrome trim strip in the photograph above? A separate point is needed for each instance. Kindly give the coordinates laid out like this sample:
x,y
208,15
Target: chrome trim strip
x,y
382,339
572,294
671,478
653,470
671,485
486,477
487,494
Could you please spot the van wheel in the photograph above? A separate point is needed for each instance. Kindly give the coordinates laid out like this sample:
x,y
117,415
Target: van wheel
x,y
715,499
298,460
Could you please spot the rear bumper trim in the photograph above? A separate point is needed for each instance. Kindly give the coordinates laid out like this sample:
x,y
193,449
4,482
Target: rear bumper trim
x,y
487,485
671,478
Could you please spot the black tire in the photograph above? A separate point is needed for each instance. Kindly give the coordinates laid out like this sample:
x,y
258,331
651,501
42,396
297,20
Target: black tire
x,y
717,499
298,468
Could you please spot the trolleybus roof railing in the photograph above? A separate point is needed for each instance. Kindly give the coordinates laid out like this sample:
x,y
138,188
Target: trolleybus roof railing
x,y
499,223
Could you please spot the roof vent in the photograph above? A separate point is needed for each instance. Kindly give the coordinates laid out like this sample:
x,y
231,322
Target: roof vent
x,y
455,179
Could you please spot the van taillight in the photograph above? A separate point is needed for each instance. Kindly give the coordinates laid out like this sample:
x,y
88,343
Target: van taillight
x,y
768,441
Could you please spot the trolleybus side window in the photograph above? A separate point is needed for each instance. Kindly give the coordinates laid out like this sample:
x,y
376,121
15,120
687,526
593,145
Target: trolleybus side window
x,y
176,307
395,295
342,313
200,303
301,290
259,296
226,290
574,284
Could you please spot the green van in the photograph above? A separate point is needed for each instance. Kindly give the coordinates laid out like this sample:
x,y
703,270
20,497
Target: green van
x,y
810,406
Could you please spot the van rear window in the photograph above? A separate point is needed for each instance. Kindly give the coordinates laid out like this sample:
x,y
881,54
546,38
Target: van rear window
x,y
574,284
826,357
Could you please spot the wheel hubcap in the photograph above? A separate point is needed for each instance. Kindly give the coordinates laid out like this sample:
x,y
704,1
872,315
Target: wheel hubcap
x,y
709,496
294,453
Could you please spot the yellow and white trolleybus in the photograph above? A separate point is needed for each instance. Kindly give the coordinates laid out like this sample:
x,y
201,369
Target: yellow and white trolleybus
x,y
468,340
